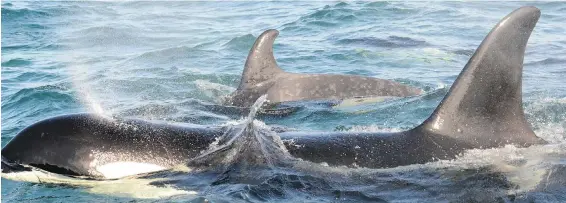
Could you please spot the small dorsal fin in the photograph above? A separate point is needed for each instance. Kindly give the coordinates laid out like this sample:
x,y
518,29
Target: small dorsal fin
x,y
484,105
260,65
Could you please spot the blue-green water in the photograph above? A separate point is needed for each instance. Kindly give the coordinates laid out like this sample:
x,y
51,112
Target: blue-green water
x,y
174,61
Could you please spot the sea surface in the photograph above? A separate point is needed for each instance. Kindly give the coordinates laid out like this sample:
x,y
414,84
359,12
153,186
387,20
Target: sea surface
x,y
175,61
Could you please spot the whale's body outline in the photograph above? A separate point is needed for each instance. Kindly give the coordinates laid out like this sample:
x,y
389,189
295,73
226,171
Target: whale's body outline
x,y
483,109
262,75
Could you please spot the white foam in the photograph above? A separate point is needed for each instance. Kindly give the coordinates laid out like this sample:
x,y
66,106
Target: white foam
x,y
373,128
553,132
526,167
207,85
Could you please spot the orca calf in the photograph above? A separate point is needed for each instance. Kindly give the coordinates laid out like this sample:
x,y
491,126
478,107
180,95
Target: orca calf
x,y
262,75
483,109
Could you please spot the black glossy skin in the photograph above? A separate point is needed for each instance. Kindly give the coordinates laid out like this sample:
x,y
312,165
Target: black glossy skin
x,y
482,110
70,142
372,150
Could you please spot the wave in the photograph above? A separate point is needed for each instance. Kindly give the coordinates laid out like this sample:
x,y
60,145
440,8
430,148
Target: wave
x,y
57,95
340,14
330,12
103,30
328,16
32,77
278,187
465,52
547,61
13,14
390,42
379,4
16,47
241,43
17,62
172,54
105,36
37,102
547,111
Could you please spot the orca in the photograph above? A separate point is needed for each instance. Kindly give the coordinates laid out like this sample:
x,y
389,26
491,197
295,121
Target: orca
x,y
483,109
87,144
262,75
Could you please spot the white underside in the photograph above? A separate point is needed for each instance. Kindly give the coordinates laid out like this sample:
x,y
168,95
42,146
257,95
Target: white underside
x,y
125,187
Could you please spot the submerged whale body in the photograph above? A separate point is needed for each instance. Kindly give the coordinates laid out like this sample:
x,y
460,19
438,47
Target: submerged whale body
x,y
262,75
483,109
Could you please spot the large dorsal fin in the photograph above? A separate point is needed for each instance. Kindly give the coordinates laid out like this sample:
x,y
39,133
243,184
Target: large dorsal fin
x,y
260,65
484,105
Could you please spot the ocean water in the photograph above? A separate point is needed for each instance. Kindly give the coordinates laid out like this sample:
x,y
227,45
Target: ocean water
x,y
174,61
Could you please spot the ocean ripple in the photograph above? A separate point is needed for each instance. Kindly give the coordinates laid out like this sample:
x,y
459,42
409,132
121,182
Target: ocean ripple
x,y
241,43
17,62
390,42
547,61
172,62
14,14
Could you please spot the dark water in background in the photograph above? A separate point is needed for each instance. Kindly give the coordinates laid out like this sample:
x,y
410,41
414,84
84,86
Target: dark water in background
x,y
174,60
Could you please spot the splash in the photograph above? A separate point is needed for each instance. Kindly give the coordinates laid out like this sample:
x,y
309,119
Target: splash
x,y
255,107
246,143
373,128
92,103
214,90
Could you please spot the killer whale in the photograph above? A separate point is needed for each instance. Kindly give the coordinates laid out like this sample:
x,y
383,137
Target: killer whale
x,y
86,144
262,75
483,109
